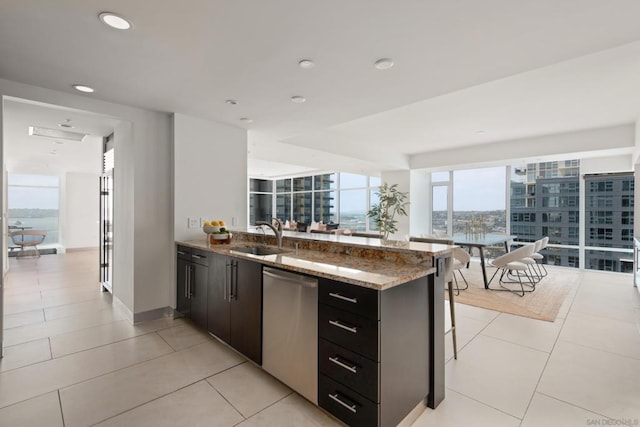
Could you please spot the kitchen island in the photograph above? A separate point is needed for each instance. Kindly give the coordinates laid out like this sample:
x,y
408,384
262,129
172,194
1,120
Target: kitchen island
x,y
380,316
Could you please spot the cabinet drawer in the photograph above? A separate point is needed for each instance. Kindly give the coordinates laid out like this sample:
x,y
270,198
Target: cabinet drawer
x,y
184,252
348,368
345,404
356,299
199,257
355,333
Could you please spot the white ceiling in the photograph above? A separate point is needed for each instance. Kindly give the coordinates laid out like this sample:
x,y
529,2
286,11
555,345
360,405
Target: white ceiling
x,y
34,154
510,68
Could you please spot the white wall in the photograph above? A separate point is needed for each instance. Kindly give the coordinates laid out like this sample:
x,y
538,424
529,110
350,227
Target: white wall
x,y
80,227
622,163
210,168
420,208
143,226
636,169
611,141
403,179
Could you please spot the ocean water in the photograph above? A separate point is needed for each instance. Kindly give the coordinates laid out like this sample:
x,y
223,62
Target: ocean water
x,y
49,224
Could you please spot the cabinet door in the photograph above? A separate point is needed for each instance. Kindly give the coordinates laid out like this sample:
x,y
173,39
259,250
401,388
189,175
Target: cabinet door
x,y
217,296
183,303
198,293
246,309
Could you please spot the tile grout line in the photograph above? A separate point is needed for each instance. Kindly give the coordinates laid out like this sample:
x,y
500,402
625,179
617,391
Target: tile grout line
x,y
264,409
94,377
548,353
171,392
166,342
553,347
60,403
130,366
483,404
572,404
225,399
476,335
152,400
637,359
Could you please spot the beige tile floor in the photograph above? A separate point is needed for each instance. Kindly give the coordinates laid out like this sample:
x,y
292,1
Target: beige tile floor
x,y
72,359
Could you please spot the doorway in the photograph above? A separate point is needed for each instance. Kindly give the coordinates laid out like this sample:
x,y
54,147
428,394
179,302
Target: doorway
x,y
60,152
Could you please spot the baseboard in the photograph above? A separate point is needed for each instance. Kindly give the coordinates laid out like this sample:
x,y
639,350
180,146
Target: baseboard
x,y
413,415
154,314
31,252
89,248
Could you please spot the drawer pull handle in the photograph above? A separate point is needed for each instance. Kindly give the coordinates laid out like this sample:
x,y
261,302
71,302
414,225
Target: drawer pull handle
x,y
197,256
337,399
341,325
181,253
350,368
343,298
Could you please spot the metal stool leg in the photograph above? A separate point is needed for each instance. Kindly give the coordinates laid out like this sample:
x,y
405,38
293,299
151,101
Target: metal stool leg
x,y
453,320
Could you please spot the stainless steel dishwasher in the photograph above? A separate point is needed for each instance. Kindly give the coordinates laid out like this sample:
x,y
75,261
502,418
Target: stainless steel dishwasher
x,y
290,330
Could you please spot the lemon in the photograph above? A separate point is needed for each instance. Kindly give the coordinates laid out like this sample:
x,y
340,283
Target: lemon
x,y
221,223
207,224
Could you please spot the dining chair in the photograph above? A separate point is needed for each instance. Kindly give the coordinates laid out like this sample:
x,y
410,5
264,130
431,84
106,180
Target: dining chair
x,y
538,257
510,266
460,260
534,272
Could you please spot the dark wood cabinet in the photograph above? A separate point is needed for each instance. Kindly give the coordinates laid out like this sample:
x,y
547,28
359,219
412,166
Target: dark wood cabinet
x,y
246,310
218,304
191,283
235,304
374,350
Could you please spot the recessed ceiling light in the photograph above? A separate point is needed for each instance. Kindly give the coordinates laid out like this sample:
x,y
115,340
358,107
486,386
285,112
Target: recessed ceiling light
x,y
59,142
298,99
383,64
53,152
114,21
83,88
480,132
307,64
65,125
246,120
231,102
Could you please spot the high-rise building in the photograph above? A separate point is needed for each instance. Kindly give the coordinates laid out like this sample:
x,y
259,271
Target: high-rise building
x,y
545,201
609,220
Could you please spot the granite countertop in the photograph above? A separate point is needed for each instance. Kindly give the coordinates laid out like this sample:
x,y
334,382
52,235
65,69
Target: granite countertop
x,y
371,273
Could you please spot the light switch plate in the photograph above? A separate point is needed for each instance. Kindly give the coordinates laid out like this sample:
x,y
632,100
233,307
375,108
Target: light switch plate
x,y
193,222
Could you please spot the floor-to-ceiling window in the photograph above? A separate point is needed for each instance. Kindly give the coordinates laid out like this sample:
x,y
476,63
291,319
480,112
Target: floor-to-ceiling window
x,y
479,201
342,198
325,198
440,201
609,221
260,200
545,201
33,203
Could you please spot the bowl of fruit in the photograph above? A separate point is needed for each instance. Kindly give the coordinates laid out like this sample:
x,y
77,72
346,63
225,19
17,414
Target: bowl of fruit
x,y
212,226
216,232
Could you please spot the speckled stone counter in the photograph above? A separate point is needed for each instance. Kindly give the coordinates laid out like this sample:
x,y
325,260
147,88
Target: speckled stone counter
x,y
355,260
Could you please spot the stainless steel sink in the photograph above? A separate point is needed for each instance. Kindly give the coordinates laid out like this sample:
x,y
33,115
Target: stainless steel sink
x,y
260,250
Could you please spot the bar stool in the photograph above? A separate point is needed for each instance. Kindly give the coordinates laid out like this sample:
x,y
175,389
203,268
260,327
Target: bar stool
x,y
452,310
449,278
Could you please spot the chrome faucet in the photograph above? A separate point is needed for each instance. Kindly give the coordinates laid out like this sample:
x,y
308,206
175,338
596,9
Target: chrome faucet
x,y
276,230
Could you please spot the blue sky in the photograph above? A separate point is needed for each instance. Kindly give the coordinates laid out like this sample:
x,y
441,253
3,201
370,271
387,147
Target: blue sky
x,y
475,190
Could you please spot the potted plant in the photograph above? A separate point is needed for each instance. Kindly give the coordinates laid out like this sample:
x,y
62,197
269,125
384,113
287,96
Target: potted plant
x,y
391,202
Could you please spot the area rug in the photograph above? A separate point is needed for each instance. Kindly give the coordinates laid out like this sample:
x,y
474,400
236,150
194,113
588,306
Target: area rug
x,y
543,304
